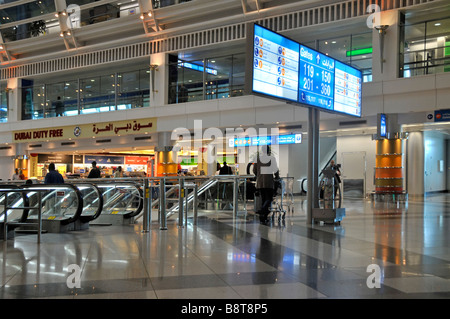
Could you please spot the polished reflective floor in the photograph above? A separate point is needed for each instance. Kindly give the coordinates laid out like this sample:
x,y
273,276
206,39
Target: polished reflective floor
x,y
378,251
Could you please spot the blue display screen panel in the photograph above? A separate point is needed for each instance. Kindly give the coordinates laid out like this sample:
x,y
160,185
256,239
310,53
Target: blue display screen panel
x,y
275,64
285,69
316,78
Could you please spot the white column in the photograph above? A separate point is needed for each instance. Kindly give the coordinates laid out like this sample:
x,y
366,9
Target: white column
x,y
14,100
390,45
415,153
158,79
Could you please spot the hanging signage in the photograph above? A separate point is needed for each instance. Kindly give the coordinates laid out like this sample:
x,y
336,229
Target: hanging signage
x,y
266,140
285,69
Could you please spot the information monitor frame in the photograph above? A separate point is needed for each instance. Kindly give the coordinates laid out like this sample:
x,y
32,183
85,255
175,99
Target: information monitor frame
x,y
338,94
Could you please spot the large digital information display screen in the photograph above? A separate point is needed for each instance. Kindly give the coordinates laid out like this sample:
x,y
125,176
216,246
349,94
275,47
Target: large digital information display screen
x,y
275,65
285,69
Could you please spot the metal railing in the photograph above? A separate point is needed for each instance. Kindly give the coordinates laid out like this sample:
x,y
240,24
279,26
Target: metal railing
x,y
5,191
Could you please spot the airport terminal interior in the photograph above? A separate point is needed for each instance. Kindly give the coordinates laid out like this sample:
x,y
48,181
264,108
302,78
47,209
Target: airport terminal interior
x,y
174,102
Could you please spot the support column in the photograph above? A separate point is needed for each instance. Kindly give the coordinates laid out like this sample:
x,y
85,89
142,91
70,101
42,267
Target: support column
x,y
415,164
385,58
313,161
158,79
166,156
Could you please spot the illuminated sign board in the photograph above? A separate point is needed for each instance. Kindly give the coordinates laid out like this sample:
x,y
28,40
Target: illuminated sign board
x,y
197,67
275,64
285,69
265,140
383,125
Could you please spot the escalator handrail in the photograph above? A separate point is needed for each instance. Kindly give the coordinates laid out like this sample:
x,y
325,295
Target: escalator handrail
x,y
54,187
139,190
88,218
25,200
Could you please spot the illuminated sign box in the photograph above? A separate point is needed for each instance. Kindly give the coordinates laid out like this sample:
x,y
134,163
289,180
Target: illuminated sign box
x,y
285,69
265,140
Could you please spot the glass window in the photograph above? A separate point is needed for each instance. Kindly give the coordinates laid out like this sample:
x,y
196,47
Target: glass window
x,y
238,74
33,100
336,48
361,54
97,94
85,96
355,50
61,99
427,49
222,77
27,10
218,75
3,103
89,95
128,90
414,50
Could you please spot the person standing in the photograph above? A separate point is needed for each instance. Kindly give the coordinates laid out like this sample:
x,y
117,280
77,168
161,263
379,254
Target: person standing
x,y
225,169
264,169
118,172
95,171
59,107
53,176
16,175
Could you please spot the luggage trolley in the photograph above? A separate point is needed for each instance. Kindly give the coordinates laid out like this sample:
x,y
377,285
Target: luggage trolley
x,y
330,200
283,187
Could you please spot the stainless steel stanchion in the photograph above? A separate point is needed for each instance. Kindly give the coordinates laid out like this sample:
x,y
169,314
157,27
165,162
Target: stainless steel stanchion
x,y
147,211
39,217
5,219
235,196
195,204
181,191
162,204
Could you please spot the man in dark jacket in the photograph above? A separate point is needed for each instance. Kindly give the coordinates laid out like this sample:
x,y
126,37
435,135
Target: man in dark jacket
x,y
264,169
95,171
53,176
225,169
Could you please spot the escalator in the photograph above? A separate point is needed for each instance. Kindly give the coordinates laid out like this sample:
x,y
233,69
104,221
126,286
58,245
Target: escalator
x,y
121,201
61,203
15,216
63,206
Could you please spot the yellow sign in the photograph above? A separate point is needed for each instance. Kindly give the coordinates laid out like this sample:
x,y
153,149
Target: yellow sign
x,y
113,128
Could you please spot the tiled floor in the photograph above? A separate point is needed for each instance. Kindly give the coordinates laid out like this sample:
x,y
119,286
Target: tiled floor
x,y
240,258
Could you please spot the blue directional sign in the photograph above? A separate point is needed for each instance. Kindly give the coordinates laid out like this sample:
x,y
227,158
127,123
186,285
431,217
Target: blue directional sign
x,y
285,69
266,140
316,78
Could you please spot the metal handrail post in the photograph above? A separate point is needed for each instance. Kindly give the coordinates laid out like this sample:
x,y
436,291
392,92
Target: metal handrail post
x,y
39,217
235,196
181,194
195,204
146,219
5,219
162,204
186,204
